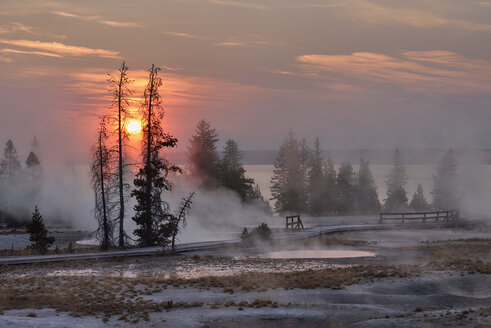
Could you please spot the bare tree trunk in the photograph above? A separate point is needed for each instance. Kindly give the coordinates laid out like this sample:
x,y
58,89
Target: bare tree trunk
x,y
149,154
120,162
105,242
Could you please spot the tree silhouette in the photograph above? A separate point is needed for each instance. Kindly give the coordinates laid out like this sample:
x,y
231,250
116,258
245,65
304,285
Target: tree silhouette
x,y
396,193
316,181
366,196
102,178
120,92
345,187
203,156
287,183
418,202
38,234
151,211
10,165
445,183
329,188
232,173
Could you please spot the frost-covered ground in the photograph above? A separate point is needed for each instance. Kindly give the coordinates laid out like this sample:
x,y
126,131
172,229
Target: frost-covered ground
x,y
418,278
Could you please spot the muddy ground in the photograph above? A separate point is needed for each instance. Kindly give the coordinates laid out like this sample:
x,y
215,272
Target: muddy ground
x,y
417,278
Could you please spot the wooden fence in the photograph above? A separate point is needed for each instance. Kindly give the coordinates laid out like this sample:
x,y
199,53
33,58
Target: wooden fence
x,y
445,216
294,222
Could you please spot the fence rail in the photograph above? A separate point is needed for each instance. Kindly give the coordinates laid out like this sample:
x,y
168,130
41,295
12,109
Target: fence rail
x,y
436,216
294,222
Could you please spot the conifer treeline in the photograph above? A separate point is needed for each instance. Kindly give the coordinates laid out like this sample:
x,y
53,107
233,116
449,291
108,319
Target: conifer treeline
x,y
18,182
303,182
227,171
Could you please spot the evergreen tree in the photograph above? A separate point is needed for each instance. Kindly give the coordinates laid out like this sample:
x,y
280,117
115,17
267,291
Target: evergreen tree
x,y
418,202
305,155
38,234
232,173
316,182
329,188
102,178
10,165
287,183
32,161
121,93
151,211
445,183
33,177
203,156
396,193
366,196
345,187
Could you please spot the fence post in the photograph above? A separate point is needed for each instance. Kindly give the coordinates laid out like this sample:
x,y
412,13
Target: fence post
x,y
402,217
424,218
380,220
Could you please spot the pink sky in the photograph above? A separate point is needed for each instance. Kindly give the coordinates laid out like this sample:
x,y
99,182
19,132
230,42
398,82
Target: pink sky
x,y
356,73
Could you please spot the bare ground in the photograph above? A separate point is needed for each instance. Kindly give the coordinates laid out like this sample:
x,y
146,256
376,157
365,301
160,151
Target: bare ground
x,y
419,278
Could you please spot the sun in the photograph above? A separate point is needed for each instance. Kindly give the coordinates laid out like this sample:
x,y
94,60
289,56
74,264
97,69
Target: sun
x,y
134,127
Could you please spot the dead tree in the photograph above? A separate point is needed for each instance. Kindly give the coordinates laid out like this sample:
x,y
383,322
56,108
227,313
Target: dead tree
x,y
121,93
180,218
102,176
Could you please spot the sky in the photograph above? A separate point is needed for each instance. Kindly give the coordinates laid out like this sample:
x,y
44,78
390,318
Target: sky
x,y
359,74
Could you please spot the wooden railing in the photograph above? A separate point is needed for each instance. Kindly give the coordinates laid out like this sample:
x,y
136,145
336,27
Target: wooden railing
x,y
445,216
294,222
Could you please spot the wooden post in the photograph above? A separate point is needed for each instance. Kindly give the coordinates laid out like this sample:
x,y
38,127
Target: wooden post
x,y
424,218
402,217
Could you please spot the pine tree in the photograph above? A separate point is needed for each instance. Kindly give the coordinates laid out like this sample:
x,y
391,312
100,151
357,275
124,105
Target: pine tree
x,y
32,161
38,234
366,196
203,156
445,183
102,178
316,182
151,211
232,173
396,193
287,183
10,165
418,202
121,93
329,188
345,187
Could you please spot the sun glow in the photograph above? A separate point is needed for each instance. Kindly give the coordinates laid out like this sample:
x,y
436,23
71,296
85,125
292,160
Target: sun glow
x,y
134,127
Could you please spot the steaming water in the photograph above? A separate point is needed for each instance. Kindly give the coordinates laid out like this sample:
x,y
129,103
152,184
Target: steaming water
x,y
316,254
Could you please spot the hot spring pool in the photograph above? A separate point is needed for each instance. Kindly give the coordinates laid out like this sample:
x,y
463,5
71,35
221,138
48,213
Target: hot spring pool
x,y
316,254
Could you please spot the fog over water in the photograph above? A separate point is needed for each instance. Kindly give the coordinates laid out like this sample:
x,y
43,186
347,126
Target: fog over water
x,y
66,195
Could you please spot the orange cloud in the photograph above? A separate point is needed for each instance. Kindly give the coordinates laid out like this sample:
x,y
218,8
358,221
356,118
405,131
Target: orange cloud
x,y
425,71
62,49
97,19
26,52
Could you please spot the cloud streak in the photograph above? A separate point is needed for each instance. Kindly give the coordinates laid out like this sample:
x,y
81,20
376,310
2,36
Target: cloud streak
x,y
240,4
61,50
415,71
97,19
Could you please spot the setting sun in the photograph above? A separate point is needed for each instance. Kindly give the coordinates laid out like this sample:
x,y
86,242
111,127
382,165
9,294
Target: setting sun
x,y
134,127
